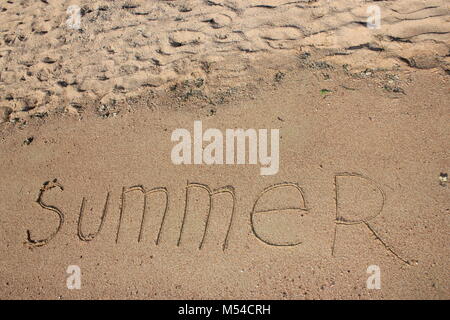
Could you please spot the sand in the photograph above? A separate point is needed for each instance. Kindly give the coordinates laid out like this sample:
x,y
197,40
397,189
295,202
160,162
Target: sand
x,y
126,48
86,122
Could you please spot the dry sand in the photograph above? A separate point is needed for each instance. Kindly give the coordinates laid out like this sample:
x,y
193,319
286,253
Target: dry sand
x,y
363,117
127,48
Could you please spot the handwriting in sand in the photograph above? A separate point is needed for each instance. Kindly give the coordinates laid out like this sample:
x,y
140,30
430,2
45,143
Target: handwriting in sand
x,y
229,191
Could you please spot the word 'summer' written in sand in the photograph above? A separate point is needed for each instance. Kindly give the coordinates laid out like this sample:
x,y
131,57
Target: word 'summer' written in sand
x,y
268,203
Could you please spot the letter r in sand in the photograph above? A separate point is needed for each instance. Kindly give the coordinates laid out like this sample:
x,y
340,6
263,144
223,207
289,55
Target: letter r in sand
x,y
354,206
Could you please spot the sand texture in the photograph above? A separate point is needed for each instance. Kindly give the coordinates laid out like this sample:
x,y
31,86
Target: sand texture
x,y
87,179
377,150
125,48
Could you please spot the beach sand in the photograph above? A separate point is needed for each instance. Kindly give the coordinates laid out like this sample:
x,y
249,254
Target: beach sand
x,y
86,122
